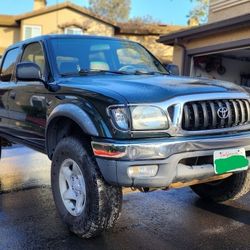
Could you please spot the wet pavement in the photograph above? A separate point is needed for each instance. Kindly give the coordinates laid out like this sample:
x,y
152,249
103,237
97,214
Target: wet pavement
x,y
176,219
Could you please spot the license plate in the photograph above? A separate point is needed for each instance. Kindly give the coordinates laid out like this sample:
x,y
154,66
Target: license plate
x,y
230,160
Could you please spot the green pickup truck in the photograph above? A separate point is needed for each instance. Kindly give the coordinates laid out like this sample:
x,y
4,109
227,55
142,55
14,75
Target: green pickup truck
x,y
109,115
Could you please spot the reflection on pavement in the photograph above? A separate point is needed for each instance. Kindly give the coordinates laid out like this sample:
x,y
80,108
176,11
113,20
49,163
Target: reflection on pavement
x,y
23,168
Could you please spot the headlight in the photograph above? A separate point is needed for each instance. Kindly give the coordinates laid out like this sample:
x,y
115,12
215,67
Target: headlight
x,y
120,117
143,118
148,118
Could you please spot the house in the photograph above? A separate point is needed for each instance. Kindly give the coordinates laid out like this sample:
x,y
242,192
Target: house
x,y
69,18
219,49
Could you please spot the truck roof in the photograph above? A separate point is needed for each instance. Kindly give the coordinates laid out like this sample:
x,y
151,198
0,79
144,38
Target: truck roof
x,y
47,37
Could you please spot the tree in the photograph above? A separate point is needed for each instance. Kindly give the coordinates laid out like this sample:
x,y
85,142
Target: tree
x,y
116,10
200,11
145,20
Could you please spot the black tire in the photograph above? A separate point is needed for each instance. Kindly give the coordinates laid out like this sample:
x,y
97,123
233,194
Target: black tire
x,y
103,201
221,70
231,188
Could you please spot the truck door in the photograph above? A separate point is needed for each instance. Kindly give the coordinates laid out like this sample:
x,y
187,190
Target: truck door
x,y
27,102
6,83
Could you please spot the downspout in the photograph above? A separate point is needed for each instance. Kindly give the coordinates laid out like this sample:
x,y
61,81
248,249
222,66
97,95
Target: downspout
x,y
177,43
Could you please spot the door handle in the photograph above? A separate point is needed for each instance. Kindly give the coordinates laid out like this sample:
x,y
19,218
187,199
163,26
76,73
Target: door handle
x,y
12,95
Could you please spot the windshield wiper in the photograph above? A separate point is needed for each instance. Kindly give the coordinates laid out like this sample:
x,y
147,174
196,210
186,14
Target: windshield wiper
x,y
158,72
83,72
70,74
138,72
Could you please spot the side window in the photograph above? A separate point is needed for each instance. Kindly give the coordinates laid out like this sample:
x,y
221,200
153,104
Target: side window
x,y
8,65
34,53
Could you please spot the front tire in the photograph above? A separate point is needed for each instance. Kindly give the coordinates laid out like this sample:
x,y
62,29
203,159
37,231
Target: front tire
x,y
231,188
85,202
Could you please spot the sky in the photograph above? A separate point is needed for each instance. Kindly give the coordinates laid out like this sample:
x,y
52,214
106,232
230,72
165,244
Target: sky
x,y
167,11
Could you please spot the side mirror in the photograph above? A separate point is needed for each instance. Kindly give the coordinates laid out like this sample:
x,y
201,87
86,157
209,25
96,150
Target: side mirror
x,y
28,71
31,72
173,69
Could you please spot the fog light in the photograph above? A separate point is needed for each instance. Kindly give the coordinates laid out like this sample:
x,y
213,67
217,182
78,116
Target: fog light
x,y
142,171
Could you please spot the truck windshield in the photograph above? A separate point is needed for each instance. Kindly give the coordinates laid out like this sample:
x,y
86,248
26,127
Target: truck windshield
x,y
74,56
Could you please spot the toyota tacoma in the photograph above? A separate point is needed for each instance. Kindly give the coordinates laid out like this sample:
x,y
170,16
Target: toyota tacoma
x,y
109,115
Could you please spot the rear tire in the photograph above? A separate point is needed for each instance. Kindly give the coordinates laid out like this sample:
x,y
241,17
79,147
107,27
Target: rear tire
x,y
231,188
85,202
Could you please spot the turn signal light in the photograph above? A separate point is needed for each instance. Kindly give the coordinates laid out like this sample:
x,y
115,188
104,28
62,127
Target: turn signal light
x,y
142,171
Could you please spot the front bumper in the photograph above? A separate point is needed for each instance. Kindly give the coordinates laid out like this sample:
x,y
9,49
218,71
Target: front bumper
x,y
115,157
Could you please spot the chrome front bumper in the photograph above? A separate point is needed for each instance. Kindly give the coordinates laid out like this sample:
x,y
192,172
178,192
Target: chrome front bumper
x,y
115,157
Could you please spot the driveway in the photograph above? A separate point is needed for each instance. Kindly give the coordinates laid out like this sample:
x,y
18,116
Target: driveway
x,y
176,219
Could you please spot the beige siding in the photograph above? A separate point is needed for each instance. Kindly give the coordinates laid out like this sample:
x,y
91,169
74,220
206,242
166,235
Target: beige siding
x,y
220,38
8,36
178,57
224,9
161,51
51,22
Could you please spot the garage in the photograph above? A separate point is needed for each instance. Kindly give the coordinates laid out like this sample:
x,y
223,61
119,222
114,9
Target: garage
x,y
219,49
228,65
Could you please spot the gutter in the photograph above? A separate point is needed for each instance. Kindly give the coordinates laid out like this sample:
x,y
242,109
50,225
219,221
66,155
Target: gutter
x,y
207,29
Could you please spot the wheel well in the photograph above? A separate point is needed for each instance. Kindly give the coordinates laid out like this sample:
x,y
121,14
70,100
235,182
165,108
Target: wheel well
x,y
60,128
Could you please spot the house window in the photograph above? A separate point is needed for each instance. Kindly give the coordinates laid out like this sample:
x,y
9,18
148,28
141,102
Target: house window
x,y
73,31
31,31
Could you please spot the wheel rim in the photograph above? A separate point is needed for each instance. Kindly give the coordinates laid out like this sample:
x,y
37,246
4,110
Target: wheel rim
x,y
72,187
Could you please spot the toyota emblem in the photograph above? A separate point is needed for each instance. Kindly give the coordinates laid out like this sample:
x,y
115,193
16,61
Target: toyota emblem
x,y
223,112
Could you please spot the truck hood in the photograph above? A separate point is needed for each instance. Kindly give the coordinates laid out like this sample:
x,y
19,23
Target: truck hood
x,y
149,89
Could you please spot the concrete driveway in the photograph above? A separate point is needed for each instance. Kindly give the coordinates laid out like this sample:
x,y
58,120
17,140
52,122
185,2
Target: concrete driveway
x,y
176,219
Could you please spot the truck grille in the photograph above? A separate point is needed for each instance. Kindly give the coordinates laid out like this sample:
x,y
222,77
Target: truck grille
x,y
215,114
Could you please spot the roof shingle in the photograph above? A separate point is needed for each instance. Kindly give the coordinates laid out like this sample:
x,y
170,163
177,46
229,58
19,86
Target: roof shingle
x,y
147,29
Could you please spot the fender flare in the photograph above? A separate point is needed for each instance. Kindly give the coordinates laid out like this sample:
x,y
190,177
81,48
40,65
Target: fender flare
x,y
76,114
